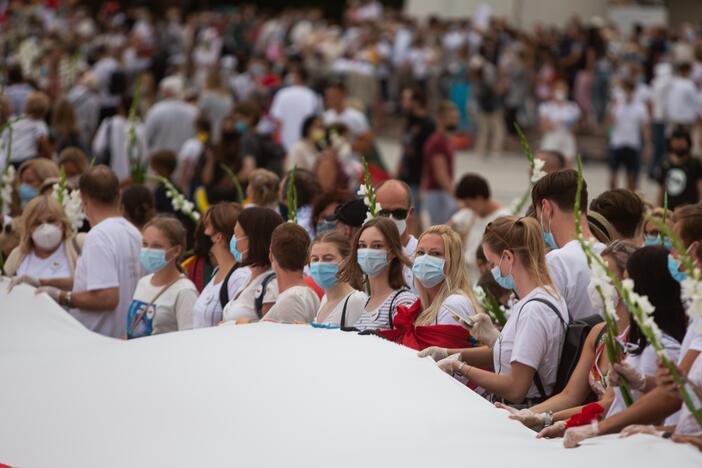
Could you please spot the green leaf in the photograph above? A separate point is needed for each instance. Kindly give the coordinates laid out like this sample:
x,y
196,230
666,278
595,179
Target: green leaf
x,y
292,196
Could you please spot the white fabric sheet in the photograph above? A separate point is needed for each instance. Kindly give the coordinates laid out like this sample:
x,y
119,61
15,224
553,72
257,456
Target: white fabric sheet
x,y
262,395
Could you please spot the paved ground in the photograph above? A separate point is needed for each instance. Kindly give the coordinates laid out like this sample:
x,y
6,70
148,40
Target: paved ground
x,y
508,176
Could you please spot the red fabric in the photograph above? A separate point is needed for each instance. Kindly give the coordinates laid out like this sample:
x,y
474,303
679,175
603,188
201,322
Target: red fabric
x,y
310,282
423,336
588,414
196,273
437,146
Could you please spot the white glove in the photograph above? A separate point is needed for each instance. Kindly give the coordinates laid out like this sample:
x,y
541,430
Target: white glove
x,y
23,279
434,352
525,416
634,429
575,435
54,293
636,380
447,363
483,330
553,431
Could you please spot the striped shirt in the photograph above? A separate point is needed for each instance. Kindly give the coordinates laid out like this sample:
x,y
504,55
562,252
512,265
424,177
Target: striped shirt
x,y
379,318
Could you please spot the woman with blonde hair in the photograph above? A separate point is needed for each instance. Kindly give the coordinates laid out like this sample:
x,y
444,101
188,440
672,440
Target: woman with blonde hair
x,y
376,261
164,298
262,190
525,354
48,250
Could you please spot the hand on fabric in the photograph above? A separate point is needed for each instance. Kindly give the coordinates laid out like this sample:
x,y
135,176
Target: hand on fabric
x,y
448,364
54,293
575,435
634,429
665,380
554,431
685,439
636,380
23,279
434,352
525,416
483,330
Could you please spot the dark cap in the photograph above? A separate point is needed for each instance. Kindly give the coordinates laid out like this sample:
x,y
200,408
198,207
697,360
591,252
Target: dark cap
x,y
352,213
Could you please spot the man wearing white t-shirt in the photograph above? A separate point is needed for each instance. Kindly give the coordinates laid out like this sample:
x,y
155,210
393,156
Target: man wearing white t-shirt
x,y
682,106
108,268
291,105
395,198
553,197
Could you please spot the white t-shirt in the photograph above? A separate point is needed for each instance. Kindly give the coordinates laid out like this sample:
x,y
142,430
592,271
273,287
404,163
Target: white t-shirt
x,y
25,134
692,341
190,153
113,135
352,118
379,318
628,119
455,303
409,251
532,336
291,106
644,363
244,303
207,311
561,115
571,276
53,266
172,310
683,101
296,304
110,259
687,424
354,308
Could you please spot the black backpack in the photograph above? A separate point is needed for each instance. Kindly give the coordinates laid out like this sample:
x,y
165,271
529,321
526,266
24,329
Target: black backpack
x,y
575,334
258,301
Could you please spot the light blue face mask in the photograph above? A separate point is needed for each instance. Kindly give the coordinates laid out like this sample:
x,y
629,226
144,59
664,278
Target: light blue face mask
x,y
26,192
372,261
325,226
324,274
548,235
152,260
429,270
656,240
674,269
241,127
507,281
232,248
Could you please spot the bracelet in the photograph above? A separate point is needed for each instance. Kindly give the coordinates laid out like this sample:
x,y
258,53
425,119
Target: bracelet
x,y
667,435
547,418
68,299
460,366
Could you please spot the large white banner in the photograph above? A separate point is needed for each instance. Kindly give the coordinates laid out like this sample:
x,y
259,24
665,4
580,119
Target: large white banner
x,y
261,395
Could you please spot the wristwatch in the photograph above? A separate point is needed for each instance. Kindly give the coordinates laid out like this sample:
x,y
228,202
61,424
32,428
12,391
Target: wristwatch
x,y
460,366
548,418
68,299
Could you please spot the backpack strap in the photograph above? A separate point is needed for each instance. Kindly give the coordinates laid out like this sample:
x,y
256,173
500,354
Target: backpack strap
x,y
537,379
391,304
342,324
258,302
224,289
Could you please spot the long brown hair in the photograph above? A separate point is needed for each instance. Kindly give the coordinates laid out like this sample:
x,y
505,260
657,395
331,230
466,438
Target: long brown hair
x,y
350,270
523,237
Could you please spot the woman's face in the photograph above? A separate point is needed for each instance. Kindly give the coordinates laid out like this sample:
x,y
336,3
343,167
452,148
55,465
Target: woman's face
x,y
153,238
325,252
432,245
372,238
242,240
327,211
46,218
30,177
505,260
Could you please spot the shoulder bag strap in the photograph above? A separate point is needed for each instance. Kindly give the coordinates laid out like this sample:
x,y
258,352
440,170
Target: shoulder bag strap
x,y
342,324
141,314
392,302
258,302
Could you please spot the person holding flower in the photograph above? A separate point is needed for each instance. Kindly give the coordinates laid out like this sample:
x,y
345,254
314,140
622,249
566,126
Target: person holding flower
x,y
590,374
525,354
342,304
376,261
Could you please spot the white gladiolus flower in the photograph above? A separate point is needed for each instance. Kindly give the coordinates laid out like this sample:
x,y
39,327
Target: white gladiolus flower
x,y
362,191
369,216
8,177
537,171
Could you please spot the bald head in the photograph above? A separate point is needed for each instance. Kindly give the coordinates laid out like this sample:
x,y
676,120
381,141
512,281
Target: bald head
x,y
393,194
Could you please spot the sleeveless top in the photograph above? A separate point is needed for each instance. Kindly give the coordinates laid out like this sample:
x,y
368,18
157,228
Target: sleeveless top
x,y
596,378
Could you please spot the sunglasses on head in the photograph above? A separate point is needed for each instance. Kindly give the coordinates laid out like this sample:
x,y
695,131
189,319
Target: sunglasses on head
x,y
399,213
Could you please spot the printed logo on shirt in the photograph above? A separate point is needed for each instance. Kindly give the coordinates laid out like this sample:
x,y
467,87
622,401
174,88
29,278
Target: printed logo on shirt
x,y
139,321
675,182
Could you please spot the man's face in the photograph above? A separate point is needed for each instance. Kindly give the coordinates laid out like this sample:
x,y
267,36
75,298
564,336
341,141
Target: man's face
x,y
406,101
393,199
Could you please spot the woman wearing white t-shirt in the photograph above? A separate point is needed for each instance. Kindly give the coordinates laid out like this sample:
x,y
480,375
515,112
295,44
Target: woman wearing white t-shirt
x,y
377,261
250,245
219,221
48,251
164,298
341,304
531,340
441,278
558,116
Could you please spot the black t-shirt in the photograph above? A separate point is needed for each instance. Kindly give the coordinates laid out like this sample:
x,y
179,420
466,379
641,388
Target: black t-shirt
x,y
680,181
417,132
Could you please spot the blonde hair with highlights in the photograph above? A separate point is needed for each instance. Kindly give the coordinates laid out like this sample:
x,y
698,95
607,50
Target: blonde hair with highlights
x,y
457,280
30,220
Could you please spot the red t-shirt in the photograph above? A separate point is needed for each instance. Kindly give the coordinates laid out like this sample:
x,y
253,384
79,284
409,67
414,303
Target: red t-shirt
x,y
437,146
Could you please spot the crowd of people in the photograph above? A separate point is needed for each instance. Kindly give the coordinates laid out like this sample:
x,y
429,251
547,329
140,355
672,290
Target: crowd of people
x,y
162,175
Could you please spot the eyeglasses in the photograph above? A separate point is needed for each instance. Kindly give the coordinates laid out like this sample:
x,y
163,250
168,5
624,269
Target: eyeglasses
x,y
399,213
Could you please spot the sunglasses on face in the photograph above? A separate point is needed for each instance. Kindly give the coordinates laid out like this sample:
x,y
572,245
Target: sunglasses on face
x,y
399,213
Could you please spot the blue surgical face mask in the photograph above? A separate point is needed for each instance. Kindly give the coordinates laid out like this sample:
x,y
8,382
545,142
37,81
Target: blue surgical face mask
x,y
241,127
232,248
548,235
656,240
324,274
429,270
325,226
674,269
372,261
507,281
152,260
26,192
